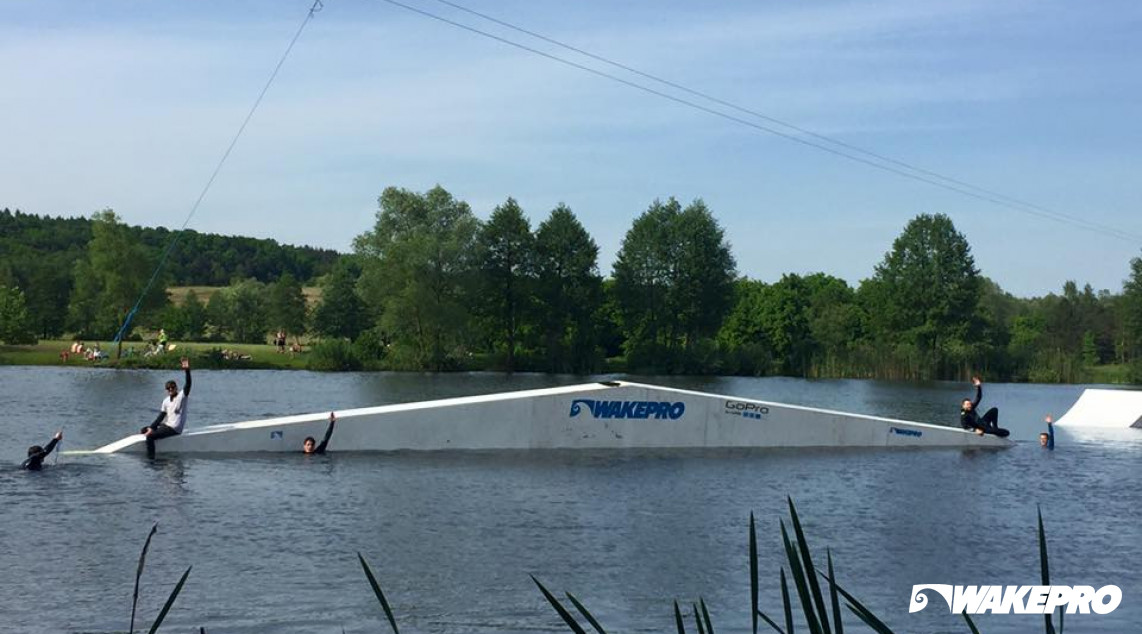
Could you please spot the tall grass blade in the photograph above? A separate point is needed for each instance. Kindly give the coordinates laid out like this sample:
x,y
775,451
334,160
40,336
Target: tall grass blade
x,y
801,584
858,608
139,575
586,614
377,591
869,619
833,596
770,622
1044,567
170,601
563,613
806,557
706,616
678,618
786,603
698,619
971,624
754,608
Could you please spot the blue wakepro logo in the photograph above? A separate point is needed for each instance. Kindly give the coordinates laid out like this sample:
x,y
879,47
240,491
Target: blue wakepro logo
x,y
659,410
1019,599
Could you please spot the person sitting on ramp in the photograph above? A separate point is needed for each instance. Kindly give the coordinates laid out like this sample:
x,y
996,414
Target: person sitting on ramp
x,y
311,446
172,413
36,453
970,418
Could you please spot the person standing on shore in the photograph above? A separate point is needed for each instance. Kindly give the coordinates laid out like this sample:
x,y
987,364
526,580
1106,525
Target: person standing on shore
x,y
172,412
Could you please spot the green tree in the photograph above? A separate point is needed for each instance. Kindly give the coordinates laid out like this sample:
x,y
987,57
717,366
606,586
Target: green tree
x,y
643,273
341,313
15,327
1089,350
1130,307
45,278
218,309
784,312
249,312
112,279
193,317
836,324
704,276
923,298
674,279
505,250
568,292
286,305
745,334
418,271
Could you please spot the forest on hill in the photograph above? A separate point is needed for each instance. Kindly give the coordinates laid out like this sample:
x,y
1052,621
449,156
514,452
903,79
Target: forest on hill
x,y
432,287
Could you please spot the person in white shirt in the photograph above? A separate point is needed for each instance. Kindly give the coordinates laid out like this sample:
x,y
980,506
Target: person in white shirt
x,y
172,413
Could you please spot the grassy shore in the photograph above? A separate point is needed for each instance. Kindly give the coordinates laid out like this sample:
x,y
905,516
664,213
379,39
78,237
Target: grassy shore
x,y
266,357
209,355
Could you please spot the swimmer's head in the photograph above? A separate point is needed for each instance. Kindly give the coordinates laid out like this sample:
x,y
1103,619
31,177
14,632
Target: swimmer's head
x,y
309,445
34,449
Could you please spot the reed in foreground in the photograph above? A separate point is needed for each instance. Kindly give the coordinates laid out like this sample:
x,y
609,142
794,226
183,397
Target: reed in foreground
x,y
809,609
170,599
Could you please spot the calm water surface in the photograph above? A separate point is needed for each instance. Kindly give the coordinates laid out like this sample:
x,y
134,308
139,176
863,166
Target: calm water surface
x,y
454,536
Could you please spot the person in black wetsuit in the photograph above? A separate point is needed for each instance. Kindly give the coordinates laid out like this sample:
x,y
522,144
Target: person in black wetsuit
x,y
310,445
970,418
36,453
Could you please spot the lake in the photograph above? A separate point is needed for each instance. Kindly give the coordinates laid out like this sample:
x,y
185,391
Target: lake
x,y
453,537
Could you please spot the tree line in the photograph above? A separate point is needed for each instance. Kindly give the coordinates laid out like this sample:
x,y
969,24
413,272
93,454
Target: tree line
x,y
46,258
430,286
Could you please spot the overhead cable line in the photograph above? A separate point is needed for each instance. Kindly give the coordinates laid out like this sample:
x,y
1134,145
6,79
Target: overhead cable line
x,y
316,7
842,149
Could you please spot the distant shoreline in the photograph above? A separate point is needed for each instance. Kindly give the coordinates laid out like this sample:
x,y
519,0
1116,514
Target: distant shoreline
x,y
204,355
252,356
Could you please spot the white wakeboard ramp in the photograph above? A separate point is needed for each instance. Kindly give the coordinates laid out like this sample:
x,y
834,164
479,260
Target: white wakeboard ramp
x,y
607,415
1118,409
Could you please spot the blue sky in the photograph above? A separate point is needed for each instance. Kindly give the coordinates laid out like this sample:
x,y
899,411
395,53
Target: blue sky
x,y
129,105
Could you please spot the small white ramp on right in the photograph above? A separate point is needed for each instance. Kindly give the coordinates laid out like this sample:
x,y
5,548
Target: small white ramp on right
x,y
1117,409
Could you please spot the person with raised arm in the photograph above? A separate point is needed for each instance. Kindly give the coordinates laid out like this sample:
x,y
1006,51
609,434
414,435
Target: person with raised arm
x,y
1047,438
310,445
36,453
970,418
172,412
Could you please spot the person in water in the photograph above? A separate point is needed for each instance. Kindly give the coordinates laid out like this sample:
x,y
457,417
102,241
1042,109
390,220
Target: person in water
x,y
970,418
36,453
172,413
310,445
1047,438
